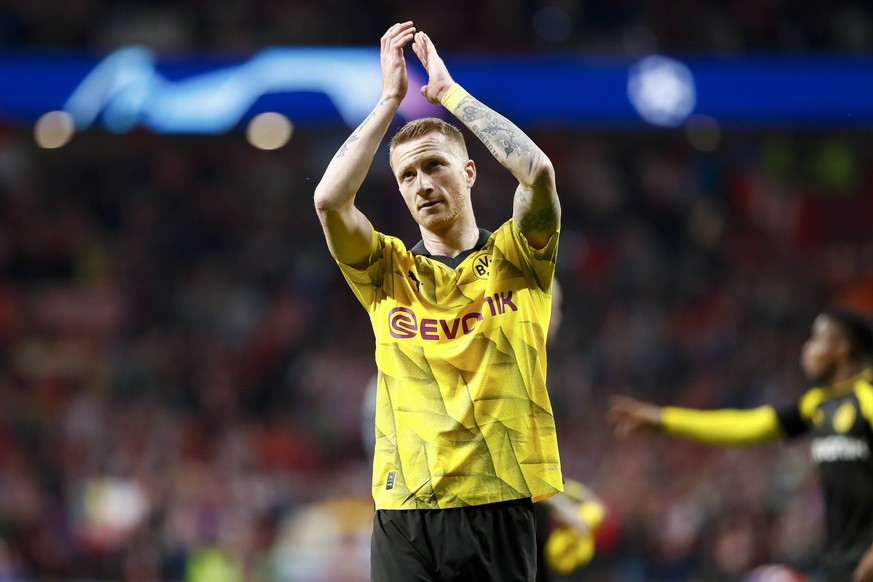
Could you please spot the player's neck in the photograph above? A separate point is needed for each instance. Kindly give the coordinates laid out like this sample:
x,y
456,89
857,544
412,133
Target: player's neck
x,y
847,374
453,241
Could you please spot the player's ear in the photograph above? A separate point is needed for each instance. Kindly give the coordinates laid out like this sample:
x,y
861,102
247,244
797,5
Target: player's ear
x,y
843,348
470,171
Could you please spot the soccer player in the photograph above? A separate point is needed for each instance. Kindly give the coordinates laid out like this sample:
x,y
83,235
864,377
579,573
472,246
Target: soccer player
x,y
567,526
837,412
465,434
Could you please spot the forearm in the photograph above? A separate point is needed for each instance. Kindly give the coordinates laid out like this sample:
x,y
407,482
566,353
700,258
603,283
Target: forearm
x,y
722,427
507,143
347,231
347,170
535,206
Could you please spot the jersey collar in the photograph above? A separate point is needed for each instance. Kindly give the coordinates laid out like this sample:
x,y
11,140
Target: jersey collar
x,y
419,249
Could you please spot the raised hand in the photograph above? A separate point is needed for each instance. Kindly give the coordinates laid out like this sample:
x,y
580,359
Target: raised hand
x,y
629,416
439,79
395,79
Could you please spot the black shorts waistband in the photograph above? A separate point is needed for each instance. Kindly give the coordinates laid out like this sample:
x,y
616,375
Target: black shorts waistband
x,y
522,502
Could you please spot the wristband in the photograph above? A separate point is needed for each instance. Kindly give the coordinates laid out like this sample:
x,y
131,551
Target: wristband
x,y
453,96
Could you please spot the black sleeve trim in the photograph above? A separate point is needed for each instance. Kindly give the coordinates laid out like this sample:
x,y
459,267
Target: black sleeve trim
x,y
792,420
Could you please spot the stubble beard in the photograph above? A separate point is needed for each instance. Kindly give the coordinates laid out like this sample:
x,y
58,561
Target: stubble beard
x,y
433,223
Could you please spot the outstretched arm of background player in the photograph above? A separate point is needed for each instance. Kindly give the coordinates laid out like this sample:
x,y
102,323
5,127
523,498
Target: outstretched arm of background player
x,y
536,208
567,507
629,416
347,230
577,513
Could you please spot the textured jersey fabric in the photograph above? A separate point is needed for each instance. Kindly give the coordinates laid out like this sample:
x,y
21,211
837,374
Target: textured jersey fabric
x,y
840,422
462,413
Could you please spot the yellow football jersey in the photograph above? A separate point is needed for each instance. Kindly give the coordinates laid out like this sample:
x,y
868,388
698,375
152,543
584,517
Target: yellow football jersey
x,y
462,413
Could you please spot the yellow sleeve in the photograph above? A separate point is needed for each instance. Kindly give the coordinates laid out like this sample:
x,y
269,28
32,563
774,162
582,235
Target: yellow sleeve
x,y
864,392
723,426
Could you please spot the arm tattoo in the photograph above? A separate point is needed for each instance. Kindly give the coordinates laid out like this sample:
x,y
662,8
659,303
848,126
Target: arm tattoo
x,y
342,151
534,209
354,137
498,134
542,221
533,219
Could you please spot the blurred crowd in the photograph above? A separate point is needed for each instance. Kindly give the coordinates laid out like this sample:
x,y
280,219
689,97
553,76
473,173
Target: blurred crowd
x,y
722,26
182,367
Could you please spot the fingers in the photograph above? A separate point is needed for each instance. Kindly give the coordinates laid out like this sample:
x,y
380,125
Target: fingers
x,y
422,47
629,416
419,50
439,79
399,35
620,407
625,416
422,43
393,63
627,406
619,401
399,28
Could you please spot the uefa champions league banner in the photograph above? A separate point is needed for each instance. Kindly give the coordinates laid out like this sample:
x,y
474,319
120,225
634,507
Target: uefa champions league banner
x,y
135,87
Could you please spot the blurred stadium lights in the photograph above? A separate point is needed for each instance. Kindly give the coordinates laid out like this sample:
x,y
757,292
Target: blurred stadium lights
x,y
269,131
126,89
662,90
53,129
134,87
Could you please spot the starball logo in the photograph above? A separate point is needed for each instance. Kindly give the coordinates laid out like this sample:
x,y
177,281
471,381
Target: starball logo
x,y
405,324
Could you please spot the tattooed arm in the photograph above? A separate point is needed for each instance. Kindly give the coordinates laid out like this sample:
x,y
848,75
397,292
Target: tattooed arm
x,y
536,208
346,229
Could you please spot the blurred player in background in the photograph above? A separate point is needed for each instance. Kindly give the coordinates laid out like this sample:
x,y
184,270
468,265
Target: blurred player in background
x,y
465,434
567,525
837,412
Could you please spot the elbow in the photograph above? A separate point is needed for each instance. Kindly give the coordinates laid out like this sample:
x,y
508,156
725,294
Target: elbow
x,y
543,172
543,182
326,202
322,203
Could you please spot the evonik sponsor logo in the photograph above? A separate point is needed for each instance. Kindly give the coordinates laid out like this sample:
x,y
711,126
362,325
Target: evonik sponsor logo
x,y
405,324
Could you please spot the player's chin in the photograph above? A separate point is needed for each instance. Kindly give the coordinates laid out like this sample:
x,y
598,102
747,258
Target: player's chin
x,y
815,374
431,220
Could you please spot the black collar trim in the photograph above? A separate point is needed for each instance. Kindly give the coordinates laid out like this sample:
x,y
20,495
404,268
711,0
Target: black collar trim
x,y
419,249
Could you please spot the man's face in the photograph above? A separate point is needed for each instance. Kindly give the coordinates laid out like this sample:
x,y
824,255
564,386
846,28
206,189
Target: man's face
x,y
434,179
825,349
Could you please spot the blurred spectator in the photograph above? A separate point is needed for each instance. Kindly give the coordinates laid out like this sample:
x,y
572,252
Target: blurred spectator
x,y
600,25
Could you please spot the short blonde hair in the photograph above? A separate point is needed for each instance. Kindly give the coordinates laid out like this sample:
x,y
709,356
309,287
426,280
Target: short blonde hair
x,y
419,127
